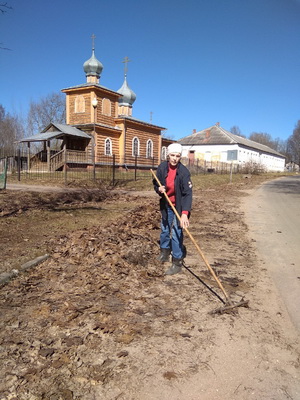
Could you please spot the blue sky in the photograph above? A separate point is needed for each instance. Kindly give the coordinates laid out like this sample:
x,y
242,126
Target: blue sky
x,y
193,62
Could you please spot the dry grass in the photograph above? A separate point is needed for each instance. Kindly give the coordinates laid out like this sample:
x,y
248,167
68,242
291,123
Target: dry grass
x,y
205,181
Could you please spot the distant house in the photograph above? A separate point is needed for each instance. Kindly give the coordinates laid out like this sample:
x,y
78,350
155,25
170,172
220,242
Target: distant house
x,y
215,144
292,167
99,127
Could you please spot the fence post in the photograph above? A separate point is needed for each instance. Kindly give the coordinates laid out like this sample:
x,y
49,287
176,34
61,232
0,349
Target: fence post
x,y
65,164
5,172
114,167
28,156
19,164
94,158
231,168
135,167
48,155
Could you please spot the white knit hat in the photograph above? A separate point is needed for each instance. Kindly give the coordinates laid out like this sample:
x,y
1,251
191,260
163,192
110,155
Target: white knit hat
x,y
175,148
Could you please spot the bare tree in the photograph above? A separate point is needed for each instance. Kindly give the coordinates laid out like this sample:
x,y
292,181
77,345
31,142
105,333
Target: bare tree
x,y
236,131
280,146
2,113
50,108
293,145
4,7
262,138
11,130
276,144
166,135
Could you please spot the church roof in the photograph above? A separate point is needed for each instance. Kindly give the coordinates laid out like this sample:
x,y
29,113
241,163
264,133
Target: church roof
x,y
98,124
56,131
216,135
138,121
88,85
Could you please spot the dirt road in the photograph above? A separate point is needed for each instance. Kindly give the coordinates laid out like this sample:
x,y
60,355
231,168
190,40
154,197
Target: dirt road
x,y
273,217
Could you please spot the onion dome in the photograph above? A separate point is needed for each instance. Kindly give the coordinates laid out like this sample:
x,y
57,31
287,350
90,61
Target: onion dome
x,y
128,95
93,67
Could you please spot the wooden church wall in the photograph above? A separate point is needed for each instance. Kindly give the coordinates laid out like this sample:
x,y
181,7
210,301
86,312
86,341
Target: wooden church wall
x,y
79,108
106,111
100,143
143,134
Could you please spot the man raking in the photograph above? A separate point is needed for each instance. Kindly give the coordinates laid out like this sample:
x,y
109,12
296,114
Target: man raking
x,y
176,182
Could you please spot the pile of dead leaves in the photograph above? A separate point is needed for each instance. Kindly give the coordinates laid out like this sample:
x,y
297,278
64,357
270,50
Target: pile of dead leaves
x,y
14,202
92,290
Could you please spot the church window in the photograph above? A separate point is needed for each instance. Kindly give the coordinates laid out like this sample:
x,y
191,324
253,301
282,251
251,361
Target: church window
x,y
108,147
106,107
79,104
149,149
164,153
135,147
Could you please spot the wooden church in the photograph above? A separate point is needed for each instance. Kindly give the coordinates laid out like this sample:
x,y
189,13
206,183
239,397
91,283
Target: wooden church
x,y
100,126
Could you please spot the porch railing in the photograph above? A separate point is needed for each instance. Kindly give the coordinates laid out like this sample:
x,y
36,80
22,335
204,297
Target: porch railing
x,y
57,160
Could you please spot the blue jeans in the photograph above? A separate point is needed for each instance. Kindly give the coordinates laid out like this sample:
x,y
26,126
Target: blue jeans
x,y
171,236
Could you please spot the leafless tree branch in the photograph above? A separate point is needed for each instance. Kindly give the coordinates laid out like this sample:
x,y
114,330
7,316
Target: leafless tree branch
x,y
3,48
4,7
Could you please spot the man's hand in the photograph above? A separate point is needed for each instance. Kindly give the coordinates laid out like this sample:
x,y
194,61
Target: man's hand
x,y
184,221
162,189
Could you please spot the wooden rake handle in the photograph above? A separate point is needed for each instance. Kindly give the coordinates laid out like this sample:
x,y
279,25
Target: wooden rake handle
x,y
193,240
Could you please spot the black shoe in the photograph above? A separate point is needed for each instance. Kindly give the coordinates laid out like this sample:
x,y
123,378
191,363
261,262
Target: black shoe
x,y
164,255
175,268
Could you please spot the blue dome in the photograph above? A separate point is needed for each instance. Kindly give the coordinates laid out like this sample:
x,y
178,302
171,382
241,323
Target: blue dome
x,y
93,67
128,95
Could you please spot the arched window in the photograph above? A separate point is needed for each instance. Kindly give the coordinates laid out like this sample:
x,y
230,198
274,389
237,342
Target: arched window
x,y
164,153
79,104
108,147
135,147
106,107
149,149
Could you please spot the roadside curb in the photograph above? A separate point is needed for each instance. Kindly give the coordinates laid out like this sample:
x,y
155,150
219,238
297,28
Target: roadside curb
x,y
8,276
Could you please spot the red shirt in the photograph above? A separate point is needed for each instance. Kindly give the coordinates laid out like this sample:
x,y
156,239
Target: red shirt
x,y
170,185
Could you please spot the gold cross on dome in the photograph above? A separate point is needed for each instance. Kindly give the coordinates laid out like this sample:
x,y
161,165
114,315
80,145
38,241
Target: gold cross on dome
x,y
126,61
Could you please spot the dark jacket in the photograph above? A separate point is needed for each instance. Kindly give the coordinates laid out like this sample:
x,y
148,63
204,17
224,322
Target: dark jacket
x,y
183,188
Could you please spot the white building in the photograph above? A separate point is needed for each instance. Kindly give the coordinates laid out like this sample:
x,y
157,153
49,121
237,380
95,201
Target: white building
x,y
215,144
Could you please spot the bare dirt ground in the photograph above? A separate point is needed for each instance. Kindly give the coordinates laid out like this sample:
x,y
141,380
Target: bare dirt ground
x,y
99,320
